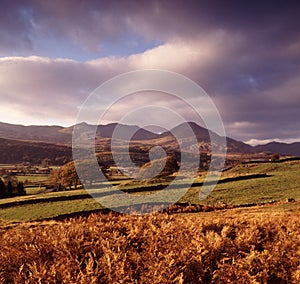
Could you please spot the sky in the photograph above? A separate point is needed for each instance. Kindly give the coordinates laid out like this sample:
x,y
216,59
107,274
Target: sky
x,y
244,54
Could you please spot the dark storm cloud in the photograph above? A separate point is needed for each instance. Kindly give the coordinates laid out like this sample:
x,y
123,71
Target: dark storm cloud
x,y
246,55
89,22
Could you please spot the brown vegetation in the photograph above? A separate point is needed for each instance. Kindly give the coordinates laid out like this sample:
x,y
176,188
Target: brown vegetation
x,y
159,248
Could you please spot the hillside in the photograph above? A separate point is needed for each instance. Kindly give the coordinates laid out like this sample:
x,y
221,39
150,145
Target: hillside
x,y
230,246
14,151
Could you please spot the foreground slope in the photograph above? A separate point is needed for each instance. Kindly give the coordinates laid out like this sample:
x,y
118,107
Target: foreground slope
x,y
235,246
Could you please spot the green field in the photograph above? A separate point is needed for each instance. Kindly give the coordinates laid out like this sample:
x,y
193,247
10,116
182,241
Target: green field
x,y
282,182
46,210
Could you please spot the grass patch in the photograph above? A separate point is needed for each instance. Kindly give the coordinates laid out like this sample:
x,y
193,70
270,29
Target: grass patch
x,y
47,210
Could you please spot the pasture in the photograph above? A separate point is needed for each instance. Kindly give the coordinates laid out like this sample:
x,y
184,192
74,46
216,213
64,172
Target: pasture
x,y
281,183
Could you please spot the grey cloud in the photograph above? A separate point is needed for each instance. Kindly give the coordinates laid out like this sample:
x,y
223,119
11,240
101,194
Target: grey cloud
x,y
245,55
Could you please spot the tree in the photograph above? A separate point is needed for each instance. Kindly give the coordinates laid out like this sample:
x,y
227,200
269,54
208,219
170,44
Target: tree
x,y
21,189
159,168
275,157
45,162
10,188
66,177
2,188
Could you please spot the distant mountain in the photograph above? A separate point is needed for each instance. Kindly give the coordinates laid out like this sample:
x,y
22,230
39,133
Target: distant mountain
x,y
63,135
183,131
203,137
106,131
15,152
50,134
292,149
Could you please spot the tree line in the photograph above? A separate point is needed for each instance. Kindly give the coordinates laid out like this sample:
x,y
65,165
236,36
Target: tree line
x,y
10,187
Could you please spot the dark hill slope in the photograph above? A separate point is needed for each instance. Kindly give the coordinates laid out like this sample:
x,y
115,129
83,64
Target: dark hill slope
x,y
14,152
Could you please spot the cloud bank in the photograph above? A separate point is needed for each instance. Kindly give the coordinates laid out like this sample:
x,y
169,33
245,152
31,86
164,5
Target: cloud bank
x,y
245,55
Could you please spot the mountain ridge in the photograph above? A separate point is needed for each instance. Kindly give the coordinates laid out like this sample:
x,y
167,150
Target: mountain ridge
x,y
55,134
281,148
